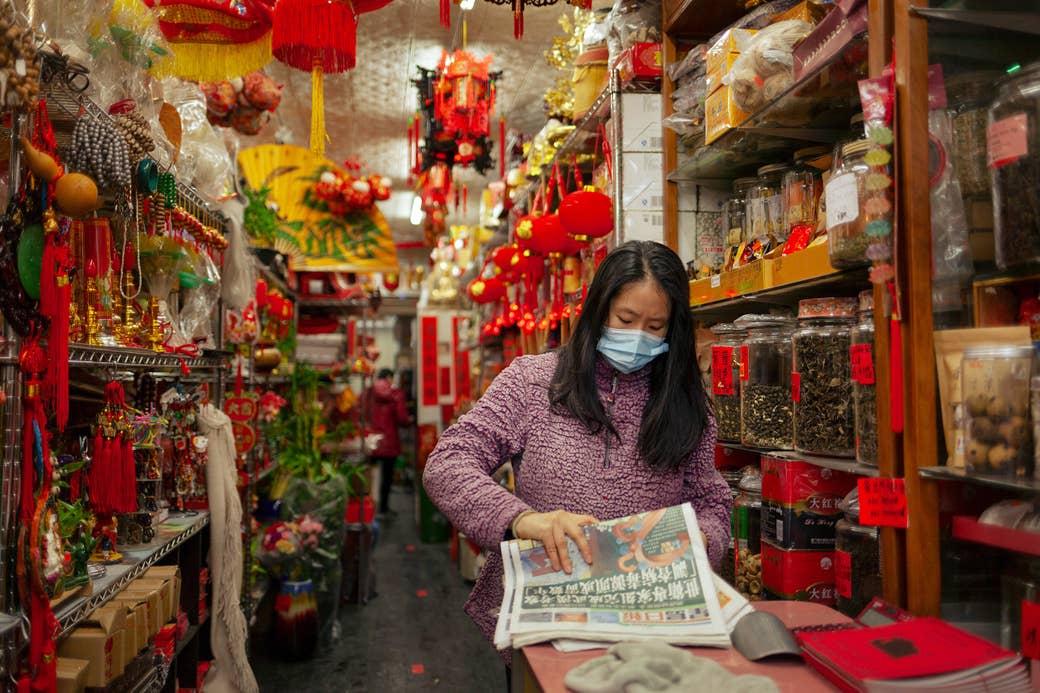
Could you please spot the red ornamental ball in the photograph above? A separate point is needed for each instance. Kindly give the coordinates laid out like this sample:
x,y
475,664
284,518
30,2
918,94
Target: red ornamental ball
x,y
524,231
486,290
550,237
504,258
531,266
587,213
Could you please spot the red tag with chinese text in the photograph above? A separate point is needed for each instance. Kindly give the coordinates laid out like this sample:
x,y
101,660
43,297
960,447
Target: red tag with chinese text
x,y
722,370
862,364
882,503
743,362
796,387
843,573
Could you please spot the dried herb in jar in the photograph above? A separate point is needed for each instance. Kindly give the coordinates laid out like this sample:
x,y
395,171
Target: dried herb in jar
x,y
769,423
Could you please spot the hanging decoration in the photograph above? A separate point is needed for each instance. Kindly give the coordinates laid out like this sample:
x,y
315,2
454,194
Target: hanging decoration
x,y
112,477
346,192
456,102
320,37
244,103
517,6
358,241
435,191
213,40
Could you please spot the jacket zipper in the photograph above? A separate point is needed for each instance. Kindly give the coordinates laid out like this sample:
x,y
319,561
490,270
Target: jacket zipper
x,y
610,416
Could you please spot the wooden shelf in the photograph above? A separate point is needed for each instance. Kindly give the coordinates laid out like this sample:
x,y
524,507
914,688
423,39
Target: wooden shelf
x,y
1017,22
701,18
968,528
954,474
848,281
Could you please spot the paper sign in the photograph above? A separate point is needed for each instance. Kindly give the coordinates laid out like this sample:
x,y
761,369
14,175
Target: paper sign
x,y
1007,140
722,370
1030,629
743,363
862,364
882,503
428,359
796,387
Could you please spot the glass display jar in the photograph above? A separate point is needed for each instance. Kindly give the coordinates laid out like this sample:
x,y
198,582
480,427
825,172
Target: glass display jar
x,y
765,207
802,187
725,379
846,217
748,524
857,559
765,390
969,96
864,387
733,216
995,384
732,477
821,381
1013,157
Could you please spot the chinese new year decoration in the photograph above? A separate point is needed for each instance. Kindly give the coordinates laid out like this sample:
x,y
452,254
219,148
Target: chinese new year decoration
x,y
245,103
518,10
320,37
346,191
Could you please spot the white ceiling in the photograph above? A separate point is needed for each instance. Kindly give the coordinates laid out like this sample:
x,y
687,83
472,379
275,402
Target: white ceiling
x,y
367,109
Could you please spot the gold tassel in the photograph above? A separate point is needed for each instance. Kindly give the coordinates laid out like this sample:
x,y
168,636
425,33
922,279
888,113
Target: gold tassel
x,y
318,134
206,62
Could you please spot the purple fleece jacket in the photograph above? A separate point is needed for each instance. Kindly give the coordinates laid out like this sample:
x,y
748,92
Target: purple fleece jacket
x,y
563,467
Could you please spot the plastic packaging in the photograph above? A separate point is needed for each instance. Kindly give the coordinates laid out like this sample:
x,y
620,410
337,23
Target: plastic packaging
x,y
203,160
995,385
239,277
635,21
801,190
764,69
951,249
821,378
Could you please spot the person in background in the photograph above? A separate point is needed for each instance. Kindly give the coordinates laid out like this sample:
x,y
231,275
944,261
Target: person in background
x,y
615,422
387,412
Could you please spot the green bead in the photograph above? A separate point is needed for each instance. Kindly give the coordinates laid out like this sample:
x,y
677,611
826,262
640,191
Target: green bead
x,y
30,259
878,228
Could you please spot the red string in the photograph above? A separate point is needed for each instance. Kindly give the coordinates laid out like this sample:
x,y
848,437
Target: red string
x,y
446,13
578,180
502,147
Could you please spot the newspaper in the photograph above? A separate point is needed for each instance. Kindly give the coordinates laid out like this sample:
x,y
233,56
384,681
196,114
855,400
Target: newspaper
x,y
649,579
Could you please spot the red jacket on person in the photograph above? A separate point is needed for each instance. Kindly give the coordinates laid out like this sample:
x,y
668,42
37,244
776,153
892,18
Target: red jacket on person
x,y
387,412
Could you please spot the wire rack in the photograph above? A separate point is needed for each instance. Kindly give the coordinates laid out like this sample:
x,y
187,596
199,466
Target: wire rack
x,y
83,356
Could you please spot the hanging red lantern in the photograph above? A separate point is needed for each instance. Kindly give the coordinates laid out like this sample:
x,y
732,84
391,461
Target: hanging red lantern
x,y
391,280
505,258
550,238
486,290
524,232
587,213
531,266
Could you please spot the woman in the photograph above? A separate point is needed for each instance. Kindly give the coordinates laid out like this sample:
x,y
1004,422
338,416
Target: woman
x,y
613,423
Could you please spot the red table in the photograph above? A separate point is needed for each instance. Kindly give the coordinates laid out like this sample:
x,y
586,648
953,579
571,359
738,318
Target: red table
x,y
543,668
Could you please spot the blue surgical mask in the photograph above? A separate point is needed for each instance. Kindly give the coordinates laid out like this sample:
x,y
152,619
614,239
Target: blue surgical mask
x,y
629,350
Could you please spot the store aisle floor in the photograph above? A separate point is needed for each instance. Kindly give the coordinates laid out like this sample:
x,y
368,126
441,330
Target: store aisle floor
x,y
399,641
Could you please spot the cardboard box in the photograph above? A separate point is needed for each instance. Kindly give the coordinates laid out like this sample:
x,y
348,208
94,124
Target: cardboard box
x,y
644,226
102,650
745,280
642,188
731,41
641,61
721,114
806,576
136,619
811,12
705,290
814,261
793,482
174,573
641,123
165,585
72,675
714,79
153,612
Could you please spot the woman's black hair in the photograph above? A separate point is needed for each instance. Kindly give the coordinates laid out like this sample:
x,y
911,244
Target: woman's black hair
x,y
676,415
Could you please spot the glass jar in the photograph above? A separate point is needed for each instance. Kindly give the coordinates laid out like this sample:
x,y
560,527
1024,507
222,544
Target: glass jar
x,y
725,379
733,217
802,187
732,478
821,381
969,95
765,390
1020,583
995,384
765,207
857,559
846,217
864,388
748,511
1013,157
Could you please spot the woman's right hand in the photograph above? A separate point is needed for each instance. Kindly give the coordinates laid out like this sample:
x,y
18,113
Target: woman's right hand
x,y
552,529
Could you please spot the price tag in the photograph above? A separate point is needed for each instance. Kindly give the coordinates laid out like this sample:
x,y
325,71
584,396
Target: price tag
x,y
843,573
722,370
743,362
882,503
796,387
1030,629
862,364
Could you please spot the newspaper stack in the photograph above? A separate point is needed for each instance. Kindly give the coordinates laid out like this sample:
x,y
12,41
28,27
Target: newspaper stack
x,y
649,580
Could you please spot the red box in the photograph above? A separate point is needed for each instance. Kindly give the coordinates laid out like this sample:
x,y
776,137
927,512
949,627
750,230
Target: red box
x,y
641,61
806,576
729,458
794,482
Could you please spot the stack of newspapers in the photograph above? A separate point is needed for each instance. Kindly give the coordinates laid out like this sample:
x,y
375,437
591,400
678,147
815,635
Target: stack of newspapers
x,y
649,580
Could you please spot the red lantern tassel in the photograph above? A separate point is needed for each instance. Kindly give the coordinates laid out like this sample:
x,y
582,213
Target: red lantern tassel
x,y
465,198
502,147
411,146
58,344
445,13
518,19
129,477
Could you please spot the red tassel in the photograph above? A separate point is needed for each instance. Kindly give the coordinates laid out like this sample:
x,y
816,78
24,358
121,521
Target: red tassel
x,y
411,146
129,478
502,147
58,344
446,13
518,19
465,198
302,25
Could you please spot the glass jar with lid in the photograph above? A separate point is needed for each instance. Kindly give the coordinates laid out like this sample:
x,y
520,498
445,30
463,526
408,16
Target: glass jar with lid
x,y
1013,156
765,209
857,559
821,381
733,215
864,389
802,187
732,477
725,379
846,217
995,383
765,390
748,542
